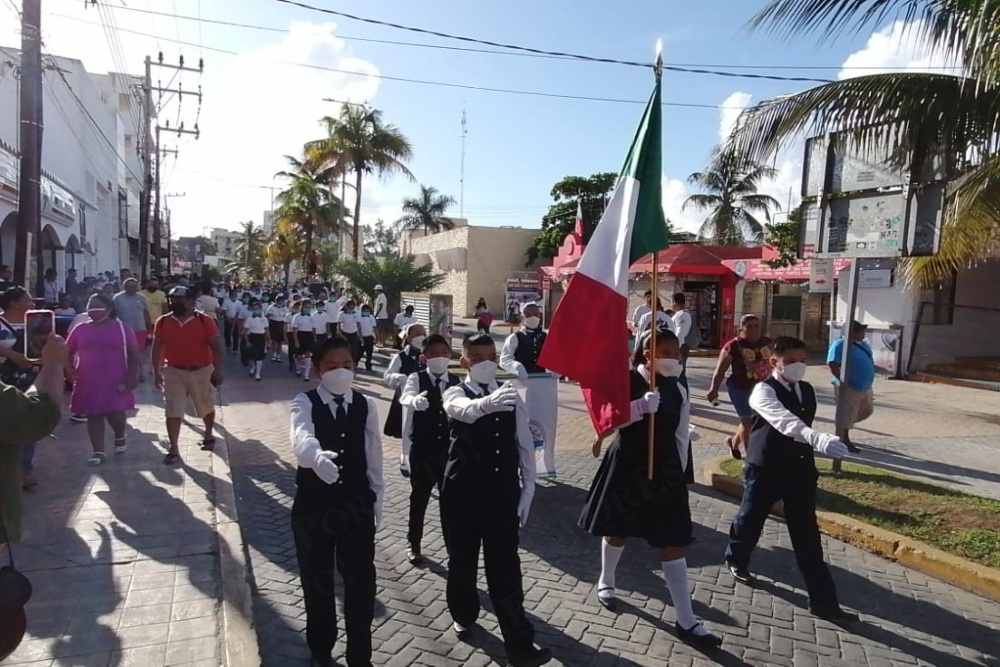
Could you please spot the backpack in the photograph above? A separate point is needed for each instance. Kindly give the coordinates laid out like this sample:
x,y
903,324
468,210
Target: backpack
x,y
693,338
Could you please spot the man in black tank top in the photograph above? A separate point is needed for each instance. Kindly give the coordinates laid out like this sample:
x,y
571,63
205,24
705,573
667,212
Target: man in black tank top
x,y
780,465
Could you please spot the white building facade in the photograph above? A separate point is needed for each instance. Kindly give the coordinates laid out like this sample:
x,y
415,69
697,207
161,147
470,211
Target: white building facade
x,y
92,174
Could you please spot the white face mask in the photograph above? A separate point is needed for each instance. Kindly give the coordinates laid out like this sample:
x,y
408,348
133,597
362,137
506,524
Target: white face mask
x,y
338,381
484,372
418,342
532,322
669,368
438,365
794,372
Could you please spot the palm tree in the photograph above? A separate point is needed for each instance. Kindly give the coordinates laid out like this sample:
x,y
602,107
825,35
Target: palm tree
x,y
731,198
427,211
285,246
249,249
916,114
360,142
308,202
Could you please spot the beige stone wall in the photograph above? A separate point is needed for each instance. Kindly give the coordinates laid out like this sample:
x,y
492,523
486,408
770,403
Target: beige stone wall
x,y
455,283
495,254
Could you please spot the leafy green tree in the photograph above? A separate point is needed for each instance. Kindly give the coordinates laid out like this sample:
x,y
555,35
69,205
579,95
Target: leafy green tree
x,y
730,196
784,237
381,241
308,203
249,251
427,211
396,274
358,141
592,192
917,114
284,248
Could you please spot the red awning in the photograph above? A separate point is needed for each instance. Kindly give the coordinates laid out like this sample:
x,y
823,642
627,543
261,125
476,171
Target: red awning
x,y
561,271
697,259
756,269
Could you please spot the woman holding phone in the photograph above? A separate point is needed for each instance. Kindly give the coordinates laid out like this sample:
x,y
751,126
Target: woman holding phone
x,y
16,369
104,365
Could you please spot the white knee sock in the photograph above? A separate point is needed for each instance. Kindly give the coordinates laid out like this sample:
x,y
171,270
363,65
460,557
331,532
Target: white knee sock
x,y
610,555
257,367
676,576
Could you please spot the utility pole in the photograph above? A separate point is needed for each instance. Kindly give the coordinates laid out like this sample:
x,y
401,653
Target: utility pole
x,y
29,199
153,150
461,195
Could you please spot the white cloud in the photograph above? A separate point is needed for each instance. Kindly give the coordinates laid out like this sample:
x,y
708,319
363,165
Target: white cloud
x,y
893,48
731,109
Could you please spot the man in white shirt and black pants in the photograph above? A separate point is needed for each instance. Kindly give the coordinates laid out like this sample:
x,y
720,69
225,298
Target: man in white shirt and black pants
x,y
338,504
683,326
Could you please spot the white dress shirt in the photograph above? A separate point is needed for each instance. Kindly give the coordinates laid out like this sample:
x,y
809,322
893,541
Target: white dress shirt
x,y
392,376
467,410
276,313
348,323
683,434
411,389
682,324
231,307
321,322
507,361
305,446
637,314
764,401
255,325
661,317
366,325
244,311
402,320
381,307
303,323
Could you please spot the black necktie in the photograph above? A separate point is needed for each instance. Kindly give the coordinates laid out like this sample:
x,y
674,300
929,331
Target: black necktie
x,y
485,388
341,410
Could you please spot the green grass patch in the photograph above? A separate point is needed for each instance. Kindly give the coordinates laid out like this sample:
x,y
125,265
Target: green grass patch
x,y
958,523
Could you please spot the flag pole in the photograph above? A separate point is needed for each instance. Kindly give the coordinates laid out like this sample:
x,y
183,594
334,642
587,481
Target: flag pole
x,y
655,289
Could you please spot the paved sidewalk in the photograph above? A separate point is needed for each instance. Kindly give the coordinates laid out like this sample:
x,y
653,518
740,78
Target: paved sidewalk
x,y
909,619
124,557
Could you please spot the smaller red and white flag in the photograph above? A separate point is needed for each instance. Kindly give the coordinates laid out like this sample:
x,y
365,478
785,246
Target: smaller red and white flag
x,y
579,219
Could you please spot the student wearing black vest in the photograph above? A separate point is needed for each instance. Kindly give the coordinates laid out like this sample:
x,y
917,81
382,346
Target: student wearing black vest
x,y
489,481
408,360
426,435
521,350
624,502
338,504
780,466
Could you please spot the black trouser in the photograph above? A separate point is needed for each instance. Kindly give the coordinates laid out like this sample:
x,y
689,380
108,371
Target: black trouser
x,y
475,516
343,538
231,338
797,491
426,472
355,340
368,345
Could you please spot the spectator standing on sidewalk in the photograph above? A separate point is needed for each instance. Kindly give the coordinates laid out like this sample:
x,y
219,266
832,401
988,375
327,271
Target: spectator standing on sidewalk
x,y
187,363
15,369
858,391
132,308
104,368
27,417
381,312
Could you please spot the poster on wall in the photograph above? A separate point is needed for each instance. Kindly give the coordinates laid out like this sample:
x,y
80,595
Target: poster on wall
x,y
519,291
440,316
886,347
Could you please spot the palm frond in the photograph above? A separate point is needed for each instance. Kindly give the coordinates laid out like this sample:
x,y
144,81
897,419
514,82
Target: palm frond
x,y
701,201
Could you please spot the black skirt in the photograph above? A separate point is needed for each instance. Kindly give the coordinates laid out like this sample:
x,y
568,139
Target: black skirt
x,y
622,502
277,329
258,346
307,341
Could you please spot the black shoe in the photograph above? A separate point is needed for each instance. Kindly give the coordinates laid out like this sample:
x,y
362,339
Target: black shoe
x,y
609,603
533,657
742,575
463,632
852,448
413,555
734,451
835,615
321,661
688,636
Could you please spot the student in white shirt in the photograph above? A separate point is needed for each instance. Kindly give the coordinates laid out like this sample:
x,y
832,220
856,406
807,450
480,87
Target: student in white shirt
x,y
366,327
350,328
230,309
641,310
275,315
381,311
304,332
256,337
339,494
403,320
682,325
322,320
294,308
663,320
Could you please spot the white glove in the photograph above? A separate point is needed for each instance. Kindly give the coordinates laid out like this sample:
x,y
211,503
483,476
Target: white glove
x,y
325,468
828,445
521,372
524,504
649,403
420,402
395,380
695,436
378,514
404,465
502,400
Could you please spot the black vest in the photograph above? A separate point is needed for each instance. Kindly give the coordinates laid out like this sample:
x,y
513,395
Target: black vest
x,y
529,348
770,448
634,442
484,456
347,438
394,417
430,435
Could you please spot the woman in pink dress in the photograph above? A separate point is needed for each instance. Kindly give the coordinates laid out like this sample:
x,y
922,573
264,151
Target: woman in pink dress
x,y
104,365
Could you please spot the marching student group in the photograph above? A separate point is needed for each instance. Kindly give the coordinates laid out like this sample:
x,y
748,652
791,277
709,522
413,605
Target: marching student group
x,y
467,436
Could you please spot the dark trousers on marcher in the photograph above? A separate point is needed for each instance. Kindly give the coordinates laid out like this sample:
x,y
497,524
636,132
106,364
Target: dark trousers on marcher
x,y
797,490
368,345
355,340
231,338
341,538
473,517
426,472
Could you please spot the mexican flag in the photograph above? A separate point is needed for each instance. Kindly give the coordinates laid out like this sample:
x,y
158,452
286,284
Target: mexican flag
x,y
588,339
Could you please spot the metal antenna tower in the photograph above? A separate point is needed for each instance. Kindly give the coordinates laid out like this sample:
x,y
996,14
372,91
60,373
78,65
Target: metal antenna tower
x,y
461,194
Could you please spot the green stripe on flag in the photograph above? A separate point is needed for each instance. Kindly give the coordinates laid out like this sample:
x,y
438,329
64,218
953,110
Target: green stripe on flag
x,y
644,163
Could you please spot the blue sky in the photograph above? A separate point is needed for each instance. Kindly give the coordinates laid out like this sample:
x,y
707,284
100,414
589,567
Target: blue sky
x,y
256,109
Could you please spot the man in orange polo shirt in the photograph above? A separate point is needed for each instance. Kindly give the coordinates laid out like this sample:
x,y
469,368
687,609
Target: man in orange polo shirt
x,y
187,363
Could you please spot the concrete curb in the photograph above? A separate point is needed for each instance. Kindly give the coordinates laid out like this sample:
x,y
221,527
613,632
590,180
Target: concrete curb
x,y
933,562
239,637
